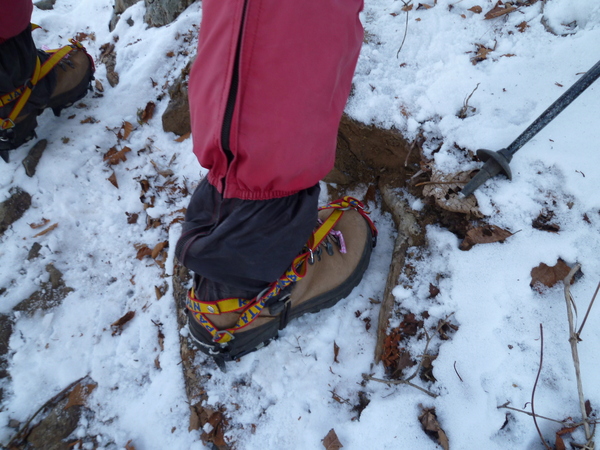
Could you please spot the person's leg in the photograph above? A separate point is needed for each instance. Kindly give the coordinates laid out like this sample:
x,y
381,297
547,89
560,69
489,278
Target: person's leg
x,y
267,92
31,79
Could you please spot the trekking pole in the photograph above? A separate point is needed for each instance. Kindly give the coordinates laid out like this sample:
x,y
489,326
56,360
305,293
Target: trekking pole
x,y
498,162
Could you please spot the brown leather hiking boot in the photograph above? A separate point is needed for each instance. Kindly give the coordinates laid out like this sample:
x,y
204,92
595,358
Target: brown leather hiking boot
x,y
60,84
331,271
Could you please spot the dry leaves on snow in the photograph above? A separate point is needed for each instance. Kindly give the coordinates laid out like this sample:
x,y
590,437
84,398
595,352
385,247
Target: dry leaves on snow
x,y
485,234
500,9
117,327
331,441
432,428
144,115
114,156
444,188
544,275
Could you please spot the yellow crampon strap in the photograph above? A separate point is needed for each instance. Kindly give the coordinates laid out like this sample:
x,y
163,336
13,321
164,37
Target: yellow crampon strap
x,y
24,92
251,308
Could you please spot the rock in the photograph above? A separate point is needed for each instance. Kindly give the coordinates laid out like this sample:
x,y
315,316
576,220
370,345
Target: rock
x,y
162,12
50,294
33,157
13,208
6,329
176,118
119,8
45,4
34,251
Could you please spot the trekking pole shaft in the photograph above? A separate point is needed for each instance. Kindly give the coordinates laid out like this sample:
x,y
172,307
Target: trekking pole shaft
x,y
555,109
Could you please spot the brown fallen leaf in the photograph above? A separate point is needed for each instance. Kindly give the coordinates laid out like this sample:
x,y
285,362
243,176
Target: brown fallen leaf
x,y
142,251
39,224
132,218
408,7
481,53
331,441
522,26
47,230
336,352
432,427
117,327
499,10
424,6
129,445
89,119
485,234
113,180
544,275
161,290
445,187
125,130
99,86
476,9
217,433
114,156
144,115
158,248
79,395
183,137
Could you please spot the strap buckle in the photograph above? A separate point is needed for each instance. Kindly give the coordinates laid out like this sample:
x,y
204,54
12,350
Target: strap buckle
x,y
219,336
7,124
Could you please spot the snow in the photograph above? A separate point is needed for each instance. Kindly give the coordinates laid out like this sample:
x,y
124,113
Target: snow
x,y
285,391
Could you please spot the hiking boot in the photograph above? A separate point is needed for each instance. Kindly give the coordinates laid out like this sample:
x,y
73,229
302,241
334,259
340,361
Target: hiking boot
x,y
319,278
65,77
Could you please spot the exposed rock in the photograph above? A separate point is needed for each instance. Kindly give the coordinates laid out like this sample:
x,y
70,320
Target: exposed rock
x,y
13,208
33,157
6,328
162,12
50,294
34,251
45,4
119,8
176,118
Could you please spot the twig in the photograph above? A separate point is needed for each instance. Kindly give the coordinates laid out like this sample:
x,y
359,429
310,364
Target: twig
x,y
459,377
537,415
535,385
393,382
588,311
406,5
573,340
424,183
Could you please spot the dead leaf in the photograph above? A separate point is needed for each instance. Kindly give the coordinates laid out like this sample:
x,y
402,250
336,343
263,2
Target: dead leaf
x,y
336,352
544,222
432,427
117,327
143,251
522,26
47,230
481,54
476,9
217,433
147,113
560,443
588,408
125,130
485,234
424,6
544,275
499,10
99,86
408,7
113,180
89,119
161,290
433,291
331,441
114,156
444,188
79,395
183,137
40,224
132,218
129,445
158,248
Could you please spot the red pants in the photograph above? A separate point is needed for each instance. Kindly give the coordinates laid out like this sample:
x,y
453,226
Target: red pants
x,y
268,89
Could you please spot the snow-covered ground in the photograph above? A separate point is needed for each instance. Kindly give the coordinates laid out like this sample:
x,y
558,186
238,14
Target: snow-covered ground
x,y
284,396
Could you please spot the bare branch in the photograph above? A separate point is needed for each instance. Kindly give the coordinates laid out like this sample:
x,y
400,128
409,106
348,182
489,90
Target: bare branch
x,y
535,385
573,339
588,311
394,382
562,422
